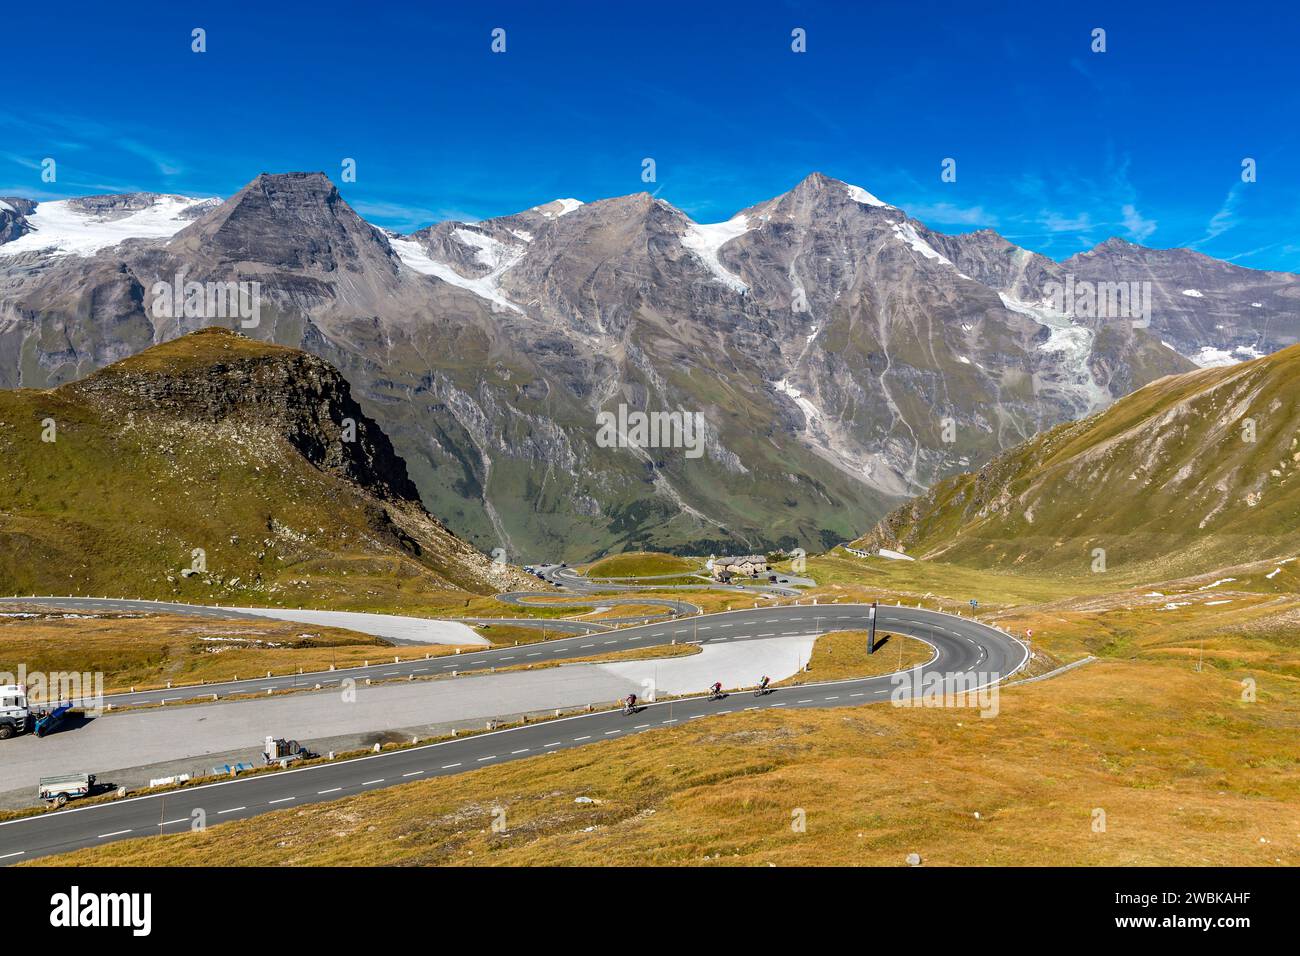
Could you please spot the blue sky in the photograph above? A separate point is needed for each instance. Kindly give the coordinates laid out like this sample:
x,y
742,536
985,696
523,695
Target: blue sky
x,y
1056,147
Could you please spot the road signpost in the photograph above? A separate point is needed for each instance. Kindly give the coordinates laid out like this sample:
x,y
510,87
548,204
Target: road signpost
x,y
871,631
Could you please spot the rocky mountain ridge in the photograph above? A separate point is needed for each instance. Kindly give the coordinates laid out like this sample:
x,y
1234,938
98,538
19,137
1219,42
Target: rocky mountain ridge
x,y
840,355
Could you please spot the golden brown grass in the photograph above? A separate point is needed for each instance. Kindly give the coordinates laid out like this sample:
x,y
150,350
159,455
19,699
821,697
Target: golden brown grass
x,y
1184,770
150,650
841,655
507,635
643,611
1183,767
641,563
654,652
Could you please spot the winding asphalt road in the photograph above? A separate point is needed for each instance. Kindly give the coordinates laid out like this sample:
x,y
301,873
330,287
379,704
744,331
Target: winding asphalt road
x,y
571,580
391,627
667,608
966,650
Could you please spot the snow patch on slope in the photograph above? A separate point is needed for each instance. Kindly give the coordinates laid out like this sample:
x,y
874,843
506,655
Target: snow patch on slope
x,y
62,229
810,411
858,194
1215,584
907,233
1208,356
414,257
706,241
1073,343
489,251
557,207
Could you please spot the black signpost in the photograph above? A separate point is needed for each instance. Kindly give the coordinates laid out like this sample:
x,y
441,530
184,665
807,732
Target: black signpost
x,y
871,634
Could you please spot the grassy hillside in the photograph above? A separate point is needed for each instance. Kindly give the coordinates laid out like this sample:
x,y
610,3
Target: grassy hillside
x,y
215,468
1190,473
641,563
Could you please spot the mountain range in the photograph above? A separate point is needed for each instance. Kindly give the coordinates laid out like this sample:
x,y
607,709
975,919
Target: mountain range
x,y
839,356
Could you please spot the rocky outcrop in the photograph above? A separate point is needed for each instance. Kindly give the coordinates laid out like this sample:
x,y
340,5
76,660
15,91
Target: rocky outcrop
x,y
13,221
254,454
209,377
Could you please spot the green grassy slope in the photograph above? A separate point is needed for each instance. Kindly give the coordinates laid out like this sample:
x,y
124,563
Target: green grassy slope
x,y
641,563
218,443
1190,473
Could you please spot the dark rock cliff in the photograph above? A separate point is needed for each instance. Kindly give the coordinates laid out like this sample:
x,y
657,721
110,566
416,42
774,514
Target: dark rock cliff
x,y
213,376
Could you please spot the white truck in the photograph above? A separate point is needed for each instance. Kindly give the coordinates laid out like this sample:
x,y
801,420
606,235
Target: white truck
x,y
15,716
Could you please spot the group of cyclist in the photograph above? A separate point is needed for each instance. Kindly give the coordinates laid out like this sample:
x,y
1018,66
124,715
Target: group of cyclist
x,y
715,693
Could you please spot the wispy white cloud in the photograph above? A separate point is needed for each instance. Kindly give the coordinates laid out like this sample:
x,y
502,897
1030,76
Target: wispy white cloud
x,y
24,161
165,164
1224,219
1054,221
946,212
1139,228
405,218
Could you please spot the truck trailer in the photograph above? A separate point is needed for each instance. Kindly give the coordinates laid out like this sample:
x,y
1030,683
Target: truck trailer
x,y
59,790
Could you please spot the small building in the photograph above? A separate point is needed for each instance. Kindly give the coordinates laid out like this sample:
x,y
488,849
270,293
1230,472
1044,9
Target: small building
x,y
747,566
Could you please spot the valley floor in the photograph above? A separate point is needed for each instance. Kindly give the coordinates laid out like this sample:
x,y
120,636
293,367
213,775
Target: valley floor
x,y
1114,763
1176,746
